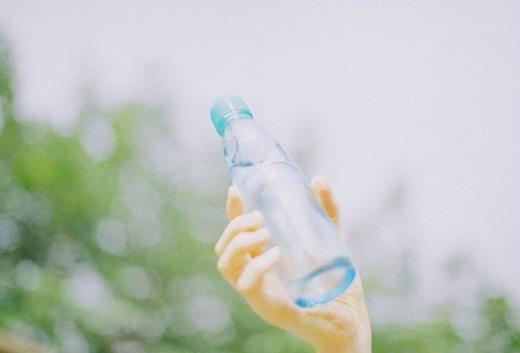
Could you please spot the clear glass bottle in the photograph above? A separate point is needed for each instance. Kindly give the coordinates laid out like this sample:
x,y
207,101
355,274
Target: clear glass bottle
x,y
315,265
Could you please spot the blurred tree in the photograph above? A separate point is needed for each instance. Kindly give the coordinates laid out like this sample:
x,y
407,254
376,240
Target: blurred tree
x,y
501,327
106,246
97,241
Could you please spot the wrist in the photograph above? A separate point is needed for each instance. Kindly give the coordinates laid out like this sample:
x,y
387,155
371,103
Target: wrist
x,y
350,349
362,343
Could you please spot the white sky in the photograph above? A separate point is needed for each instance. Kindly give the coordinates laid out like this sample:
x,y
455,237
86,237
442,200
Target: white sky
x,y
424,91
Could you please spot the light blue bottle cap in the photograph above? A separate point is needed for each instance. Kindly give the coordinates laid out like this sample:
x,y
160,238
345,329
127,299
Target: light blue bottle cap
x,y
227,108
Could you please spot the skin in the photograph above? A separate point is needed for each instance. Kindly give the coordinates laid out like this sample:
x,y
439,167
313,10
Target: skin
x,y
339,326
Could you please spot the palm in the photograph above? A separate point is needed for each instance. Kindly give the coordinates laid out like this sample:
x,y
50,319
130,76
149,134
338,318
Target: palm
x,y
336,320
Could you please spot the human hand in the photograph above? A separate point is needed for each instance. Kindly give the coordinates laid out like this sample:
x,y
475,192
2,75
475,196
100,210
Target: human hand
x,y
339,326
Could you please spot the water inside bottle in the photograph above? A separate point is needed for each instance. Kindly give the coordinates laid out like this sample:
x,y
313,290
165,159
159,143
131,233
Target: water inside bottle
x,y
321,282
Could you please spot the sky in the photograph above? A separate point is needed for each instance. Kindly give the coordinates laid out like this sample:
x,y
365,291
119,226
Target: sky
x,y
419,93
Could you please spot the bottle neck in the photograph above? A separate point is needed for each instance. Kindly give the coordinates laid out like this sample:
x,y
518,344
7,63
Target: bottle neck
x,y
230,118
247,143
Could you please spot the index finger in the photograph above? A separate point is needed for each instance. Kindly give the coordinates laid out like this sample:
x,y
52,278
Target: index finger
x,y
234,204
245,223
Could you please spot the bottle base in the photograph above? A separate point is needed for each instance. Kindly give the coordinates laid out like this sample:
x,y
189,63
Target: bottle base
x,y
323,284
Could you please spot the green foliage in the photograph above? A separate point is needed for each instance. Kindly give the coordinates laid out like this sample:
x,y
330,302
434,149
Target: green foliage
x,y
430,337
501,329
104,253
102,248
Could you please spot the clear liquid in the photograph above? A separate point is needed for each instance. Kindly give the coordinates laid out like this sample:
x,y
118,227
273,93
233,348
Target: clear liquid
x,y
315,266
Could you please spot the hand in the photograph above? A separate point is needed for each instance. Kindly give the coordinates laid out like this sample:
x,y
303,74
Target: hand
x,y
340,326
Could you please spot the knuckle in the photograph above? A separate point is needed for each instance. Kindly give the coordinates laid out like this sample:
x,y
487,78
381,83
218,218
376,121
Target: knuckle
x,y
222,265
238,243
253,268
246,240
238,222
244,219
218,247
242,288
245,288
241,240
264,234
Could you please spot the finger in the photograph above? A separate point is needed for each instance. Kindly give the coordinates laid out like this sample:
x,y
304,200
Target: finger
x,y
241,248
323,192
244,223
234,204
252,277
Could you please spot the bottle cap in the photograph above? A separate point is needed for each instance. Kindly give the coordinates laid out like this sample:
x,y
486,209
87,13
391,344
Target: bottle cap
x,y
227,108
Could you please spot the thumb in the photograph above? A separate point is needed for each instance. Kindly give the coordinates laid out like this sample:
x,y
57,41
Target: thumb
x,y
321,188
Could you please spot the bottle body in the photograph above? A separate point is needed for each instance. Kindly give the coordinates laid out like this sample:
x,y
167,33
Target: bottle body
x,y
315,265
